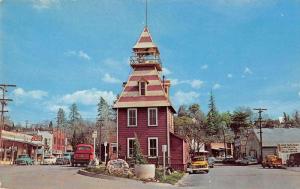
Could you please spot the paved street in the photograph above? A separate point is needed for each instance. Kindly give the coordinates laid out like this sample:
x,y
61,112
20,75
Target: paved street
x,y
225,177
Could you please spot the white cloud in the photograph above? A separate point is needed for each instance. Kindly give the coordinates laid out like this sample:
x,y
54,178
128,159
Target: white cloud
x,y
44,4
299,93
20,94
87,97
80,54
216,86
83,55
247,71
166,71
197,83
204,67
229,75
110,79
181,97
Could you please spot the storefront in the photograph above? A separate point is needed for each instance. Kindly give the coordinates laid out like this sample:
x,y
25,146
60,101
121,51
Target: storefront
x,y
14,144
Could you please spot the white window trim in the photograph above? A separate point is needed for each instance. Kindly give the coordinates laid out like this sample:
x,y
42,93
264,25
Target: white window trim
x,y
135,109
149,138
128,146
140,88
155,117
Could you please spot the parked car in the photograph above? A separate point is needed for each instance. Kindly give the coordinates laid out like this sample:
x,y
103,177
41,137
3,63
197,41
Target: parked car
x,y
211,162
49,160
249,160
198,164
229,160
68,155
24,160
294,160
272,161
83,155
62,161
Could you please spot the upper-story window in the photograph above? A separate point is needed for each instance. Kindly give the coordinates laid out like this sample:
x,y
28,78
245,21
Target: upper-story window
x,y
132,117
152,116
142,88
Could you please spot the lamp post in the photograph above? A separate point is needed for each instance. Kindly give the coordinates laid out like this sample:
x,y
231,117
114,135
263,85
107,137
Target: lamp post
x,y
224,138
105,154
94,135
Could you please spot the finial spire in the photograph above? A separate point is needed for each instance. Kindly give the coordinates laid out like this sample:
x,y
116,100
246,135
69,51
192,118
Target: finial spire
x,y
146,14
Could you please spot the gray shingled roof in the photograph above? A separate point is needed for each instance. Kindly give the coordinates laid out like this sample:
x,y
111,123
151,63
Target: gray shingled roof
x,y
273,137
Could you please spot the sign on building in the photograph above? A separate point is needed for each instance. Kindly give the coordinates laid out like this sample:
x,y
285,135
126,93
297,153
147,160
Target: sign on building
x,y
284,150
289,148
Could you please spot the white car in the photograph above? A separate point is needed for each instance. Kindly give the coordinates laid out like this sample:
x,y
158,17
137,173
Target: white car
x,y
249,160
49,160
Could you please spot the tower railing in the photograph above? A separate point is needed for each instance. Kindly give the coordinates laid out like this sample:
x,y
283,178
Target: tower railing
x,y
135,59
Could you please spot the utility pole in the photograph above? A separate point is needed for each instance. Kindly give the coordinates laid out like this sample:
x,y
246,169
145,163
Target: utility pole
x,y
3,102
260,110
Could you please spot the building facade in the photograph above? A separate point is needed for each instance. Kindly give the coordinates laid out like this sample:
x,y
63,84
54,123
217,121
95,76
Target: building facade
x,y
14,144
144,110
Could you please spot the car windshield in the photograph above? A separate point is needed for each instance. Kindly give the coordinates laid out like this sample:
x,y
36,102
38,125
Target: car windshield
x,y
201,158
47,157
23,156
84,148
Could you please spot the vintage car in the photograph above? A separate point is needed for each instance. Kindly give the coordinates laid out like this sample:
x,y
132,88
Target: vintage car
x,y
83,155
198,164
49,160
294,160
272,161
24,160
248,161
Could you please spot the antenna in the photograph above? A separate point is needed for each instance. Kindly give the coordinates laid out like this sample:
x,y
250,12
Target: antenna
x,y
146,13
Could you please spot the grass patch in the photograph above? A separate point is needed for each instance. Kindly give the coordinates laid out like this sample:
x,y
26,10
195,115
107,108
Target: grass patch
x,y
171,179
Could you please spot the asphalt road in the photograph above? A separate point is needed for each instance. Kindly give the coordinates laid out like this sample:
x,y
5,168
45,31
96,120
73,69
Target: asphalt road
x,y
222,177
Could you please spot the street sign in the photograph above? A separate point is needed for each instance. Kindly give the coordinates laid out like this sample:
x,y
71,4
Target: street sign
x,y
164,148
94,135
105,143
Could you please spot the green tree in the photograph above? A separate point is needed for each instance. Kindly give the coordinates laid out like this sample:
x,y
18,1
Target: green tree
x,y
74,116
137,153
50,125
61,118
103,110
182,111
212,125
74,140
239,122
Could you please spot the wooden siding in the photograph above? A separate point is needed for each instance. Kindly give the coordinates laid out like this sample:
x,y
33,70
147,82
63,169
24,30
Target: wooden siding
x,y
142,130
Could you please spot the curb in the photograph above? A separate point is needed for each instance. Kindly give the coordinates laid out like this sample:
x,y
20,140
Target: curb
x,y
97,175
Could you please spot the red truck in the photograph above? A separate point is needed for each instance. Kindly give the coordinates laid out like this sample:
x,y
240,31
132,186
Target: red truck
x,y
83,155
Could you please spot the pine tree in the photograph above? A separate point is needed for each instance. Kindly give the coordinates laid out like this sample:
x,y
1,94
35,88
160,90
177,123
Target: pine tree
x,y
182,111
61,118
103,110
212,116
297,119
137,153
74,116
50,125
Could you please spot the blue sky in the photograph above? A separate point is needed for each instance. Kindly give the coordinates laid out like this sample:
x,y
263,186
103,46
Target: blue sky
x,y
62,51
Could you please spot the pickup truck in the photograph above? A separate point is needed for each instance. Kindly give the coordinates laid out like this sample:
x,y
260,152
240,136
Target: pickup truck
x,y
83,154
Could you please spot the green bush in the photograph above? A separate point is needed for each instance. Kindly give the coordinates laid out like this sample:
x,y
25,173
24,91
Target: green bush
x,y
171,179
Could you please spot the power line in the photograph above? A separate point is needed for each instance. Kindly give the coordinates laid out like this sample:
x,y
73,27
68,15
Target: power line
x,y
260,110
4,101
